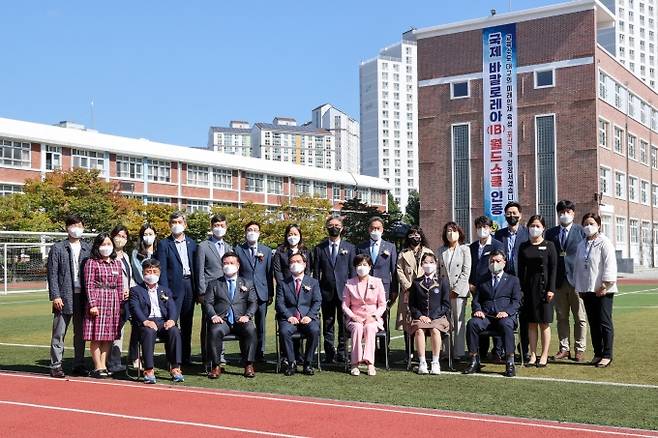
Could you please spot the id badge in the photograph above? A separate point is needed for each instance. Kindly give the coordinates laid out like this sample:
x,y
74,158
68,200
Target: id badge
x,y
115,272
563,254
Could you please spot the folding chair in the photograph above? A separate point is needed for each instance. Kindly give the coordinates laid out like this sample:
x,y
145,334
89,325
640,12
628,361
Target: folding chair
x,y
381,340
412,347
492,333
228,338
298,336
139,370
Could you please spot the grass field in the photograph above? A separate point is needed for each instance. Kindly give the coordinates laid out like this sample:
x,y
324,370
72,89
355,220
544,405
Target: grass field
x,y
25,319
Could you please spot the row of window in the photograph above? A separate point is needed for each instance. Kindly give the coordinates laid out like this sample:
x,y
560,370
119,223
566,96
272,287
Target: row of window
x,y
620,232
622,98
631,188
625,143
544,78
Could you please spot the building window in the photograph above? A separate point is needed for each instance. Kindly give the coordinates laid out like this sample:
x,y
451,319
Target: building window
x,y
603,133
634,229
129,167
88,160
620,229
654,195
254,182
302,187
53,157
192,205
15,153
222,178
320,189
619,140
545,135
349,193
158,170
644,192
644,152
620,185
461,176
632,188
604,181
459,90
197,175
654,157
544,78
10,189
158,200
632,154
336,192
275,185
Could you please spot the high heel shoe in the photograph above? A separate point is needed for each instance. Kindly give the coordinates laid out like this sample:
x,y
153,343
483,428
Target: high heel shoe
x,y
604,363
531,363
541,365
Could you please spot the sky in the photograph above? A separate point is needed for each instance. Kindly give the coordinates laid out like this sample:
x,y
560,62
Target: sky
x,y
167,70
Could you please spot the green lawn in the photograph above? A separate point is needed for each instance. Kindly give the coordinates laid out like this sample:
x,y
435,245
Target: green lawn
x,y
25,319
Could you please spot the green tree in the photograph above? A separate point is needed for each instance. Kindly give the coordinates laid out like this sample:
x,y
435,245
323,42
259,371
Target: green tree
x,y
309,213
356,215
412,215
394,212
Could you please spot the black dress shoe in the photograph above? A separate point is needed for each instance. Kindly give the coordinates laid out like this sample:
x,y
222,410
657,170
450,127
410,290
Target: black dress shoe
x,y
57,373
308,370
474,367
510,369
290,370
80,371
330,357
340,357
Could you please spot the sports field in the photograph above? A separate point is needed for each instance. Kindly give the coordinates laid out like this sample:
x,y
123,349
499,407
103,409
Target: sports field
x,y
625,394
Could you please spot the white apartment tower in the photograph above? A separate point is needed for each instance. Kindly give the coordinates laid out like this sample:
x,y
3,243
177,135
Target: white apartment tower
x,y
346,135
389,117
234,140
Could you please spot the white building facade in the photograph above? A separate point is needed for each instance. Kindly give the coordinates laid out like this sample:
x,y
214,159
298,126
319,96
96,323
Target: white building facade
x,y
346,132
234,140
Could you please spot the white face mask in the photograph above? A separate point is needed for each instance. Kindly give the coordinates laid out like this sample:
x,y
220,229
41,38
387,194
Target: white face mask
x,y
496,268
375,235
106,250
429,268
176,229
119,242
452,236
230,270
252,236
591,230
219,232
297,268
151,278
483,233
293,240
566,219
75,232
148,240
535,231
362,270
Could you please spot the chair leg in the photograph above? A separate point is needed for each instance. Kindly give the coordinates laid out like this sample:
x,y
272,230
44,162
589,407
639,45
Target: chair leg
x,y
278,352
411,349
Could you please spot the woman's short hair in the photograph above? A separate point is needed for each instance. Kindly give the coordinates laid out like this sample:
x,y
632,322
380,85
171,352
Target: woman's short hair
x,y
415,229
537,217
360,258
428,255
456,227
594,216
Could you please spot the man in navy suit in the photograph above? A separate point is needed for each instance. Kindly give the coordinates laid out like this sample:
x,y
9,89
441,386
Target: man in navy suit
x,y
176,255
256,266
154,313
566,238
298,301
332,267
480,251
384,257
495,307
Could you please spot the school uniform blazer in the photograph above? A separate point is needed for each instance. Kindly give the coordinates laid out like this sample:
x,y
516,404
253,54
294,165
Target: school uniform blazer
x,y
140,303
257,270
217,301
408,268
503,235
385,267
457,270
365,302
307,303
601,267
480,265
565,264
60,272
332,278
432,301
506,298
171,266
280,264
208,264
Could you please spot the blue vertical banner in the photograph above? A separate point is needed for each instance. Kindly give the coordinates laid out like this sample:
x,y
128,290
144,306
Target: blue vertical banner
x,y
500,120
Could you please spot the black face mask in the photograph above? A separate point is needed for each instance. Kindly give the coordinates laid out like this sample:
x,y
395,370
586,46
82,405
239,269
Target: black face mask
x,y
415,240
512,220
333,231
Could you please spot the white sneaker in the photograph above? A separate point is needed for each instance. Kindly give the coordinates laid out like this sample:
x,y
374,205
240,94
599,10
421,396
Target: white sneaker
x,y
422,368
355,371
436,368
371,370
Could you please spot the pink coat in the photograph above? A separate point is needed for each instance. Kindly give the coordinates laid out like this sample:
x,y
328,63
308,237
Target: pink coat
x,y
363,303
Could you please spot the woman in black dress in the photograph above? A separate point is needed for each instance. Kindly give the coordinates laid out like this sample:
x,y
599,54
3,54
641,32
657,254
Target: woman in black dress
x,y
537,270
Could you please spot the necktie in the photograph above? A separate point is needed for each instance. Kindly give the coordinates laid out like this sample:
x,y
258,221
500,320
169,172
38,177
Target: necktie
x,y
298,288
333,253
231,294
563,237
495,282
374,252
220,248
253,253
428,281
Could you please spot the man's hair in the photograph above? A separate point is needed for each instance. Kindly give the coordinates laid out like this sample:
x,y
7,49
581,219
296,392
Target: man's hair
x,y
176,215
482,221
565,204
217,218
150,263
497,252
73,219
230,254
330,218
301,254
513,204
250,223
375,219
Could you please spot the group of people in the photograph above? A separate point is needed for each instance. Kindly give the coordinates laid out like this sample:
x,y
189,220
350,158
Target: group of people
x,y
514,278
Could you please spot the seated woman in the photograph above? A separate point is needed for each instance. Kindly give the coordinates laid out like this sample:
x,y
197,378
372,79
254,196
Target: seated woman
x,y
429,307
364,303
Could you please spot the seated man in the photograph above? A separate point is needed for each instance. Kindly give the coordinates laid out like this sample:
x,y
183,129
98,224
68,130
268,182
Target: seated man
x,y
298,301
231,303
154,314
495,306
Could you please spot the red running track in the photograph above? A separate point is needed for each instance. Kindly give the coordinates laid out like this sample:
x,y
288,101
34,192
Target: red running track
x,y
38,406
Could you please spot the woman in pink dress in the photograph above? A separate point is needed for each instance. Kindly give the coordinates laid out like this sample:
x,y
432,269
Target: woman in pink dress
x,y
104,287
364,303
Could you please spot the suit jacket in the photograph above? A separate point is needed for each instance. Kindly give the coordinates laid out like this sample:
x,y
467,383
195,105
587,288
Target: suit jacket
x,y
257,270
506,297
140,303
456,267
503,236
408,268
332,278
60,272
208,264
565,265
280,264
307,303
365,302
432,301
480,265
171,266
385,267
217,301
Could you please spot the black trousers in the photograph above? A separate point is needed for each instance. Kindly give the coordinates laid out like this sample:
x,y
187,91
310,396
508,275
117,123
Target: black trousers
x,y
311,333
246,332
504,326
185,304
332,314
261,319
171,337
601,329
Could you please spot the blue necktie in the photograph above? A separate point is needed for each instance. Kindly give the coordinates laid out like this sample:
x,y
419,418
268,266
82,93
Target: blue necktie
x,y
374,252
495,282
231,293
562,237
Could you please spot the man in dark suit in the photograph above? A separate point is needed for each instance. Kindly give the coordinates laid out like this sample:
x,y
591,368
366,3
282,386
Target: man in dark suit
x,y
209,267
332,267
384,257
256,266
153,312
176,255
480,251
495,307
298,301
66,291
231,304
566,238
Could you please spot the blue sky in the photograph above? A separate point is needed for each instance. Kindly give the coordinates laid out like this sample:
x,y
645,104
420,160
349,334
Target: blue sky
x,y
167,70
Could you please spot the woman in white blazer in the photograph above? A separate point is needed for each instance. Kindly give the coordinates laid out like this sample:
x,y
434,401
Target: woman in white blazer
x,y
455,264
595,278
